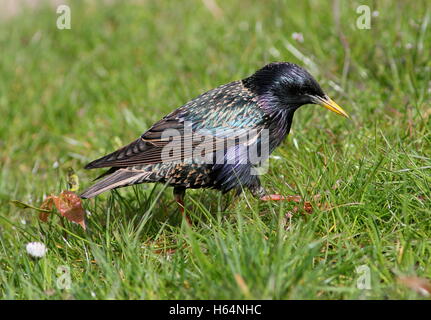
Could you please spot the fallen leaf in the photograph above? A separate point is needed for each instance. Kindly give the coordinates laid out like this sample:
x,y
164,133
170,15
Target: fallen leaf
x,y
419,285
68,205
308,207
47,209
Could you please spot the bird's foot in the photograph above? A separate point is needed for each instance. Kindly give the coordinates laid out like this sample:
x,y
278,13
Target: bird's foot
x,y
277,197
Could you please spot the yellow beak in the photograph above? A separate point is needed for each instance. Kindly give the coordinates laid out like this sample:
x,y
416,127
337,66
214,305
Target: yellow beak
x,y
330,104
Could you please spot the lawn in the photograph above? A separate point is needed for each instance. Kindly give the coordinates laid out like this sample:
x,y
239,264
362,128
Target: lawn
x,y
70,96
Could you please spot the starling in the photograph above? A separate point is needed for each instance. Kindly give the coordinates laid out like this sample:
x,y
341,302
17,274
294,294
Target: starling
x,y
219,139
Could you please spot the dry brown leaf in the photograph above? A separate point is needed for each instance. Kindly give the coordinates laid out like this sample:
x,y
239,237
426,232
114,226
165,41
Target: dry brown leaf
x,y
47,206
420,285
68,205
308,207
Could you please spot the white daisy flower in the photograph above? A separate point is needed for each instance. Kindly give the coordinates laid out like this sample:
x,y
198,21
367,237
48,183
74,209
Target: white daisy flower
x,y
298,37
36,249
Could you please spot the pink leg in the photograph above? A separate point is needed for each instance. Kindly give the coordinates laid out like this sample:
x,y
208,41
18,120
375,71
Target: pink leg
x,y
179,198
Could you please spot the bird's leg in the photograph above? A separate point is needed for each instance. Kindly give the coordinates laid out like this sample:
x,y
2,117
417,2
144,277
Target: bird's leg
x,y
179,193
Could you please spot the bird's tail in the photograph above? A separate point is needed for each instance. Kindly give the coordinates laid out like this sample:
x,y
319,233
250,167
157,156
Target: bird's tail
x,y
118,179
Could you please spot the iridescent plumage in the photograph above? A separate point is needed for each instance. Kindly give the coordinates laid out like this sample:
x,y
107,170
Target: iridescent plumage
x,y
266,100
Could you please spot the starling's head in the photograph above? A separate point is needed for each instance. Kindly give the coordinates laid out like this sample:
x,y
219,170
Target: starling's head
x,y
289,86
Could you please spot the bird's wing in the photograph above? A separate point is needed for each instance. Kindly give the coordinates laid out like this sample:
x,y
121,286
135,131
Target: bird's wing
x,y
226,113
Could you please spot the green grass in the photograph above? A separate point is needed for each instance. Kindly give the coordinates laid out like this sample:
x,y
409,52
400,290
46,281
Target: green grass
x,y
68,97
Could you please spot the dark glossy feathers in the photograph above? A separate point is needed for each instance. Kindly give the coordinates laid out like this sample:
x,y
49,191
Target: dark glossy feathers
x,y
219,118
